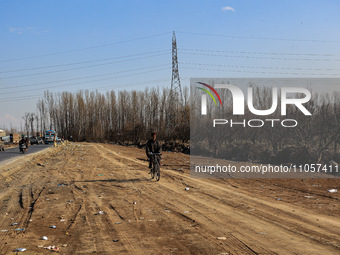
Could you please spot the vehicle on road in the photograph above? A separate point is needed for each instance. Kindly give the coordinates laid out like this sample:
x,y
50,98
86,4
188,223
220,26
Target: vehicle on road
x,y
49,136
2,145
33,140
22,148
156,171
40,140
6,139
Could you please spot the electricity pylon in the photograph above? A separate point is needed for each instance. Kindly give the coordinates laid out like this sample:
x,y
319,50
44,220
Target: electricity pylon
x,y
175,97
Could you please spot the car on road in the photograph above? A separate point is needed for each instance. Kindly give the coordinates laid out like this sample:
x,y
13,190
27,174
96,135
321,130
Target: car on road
x,y
40,140
6,139
33,140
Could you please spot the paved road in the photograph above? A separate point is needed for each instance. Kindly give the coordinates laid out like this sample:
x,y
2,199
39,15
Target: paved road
x,y
14,152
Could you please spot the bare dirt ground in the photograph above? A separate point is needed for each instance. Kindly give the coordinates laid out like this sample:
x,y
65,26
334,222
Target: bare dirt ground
x,y
72,184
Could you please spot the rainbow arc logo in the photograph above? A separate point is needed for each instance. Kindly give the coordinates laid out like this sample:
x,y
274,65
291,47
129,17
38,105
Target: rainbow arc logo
x,y
212,89
204,97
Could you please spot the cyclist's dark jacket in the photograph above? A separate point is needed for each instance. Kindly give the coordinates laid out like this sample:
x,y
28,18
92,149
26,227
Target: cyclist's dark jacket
x,y
153,146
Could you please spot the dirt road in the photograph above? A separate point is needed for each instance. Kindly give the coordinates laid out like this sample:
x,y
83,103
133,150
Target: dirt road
x,y
101,201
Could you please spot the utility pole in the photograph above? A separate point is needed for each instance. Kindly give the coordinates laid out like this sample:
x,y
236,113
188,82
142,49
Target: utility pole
x,y
175,97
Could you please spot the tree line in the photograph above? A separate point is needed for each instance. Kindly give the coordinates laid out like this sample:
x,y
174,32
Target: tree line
x,y
124,116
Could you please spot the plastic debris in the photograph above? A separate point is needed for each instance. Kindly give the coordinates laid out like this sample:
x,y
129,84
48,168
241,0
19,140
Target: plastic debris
x,y
186,188
20,249
279,199
134,203
62,220
52,248
309,196
20,229
53,226
167,210
44,238
332,190
64,245
221,238
13,224
4,230
115,240
186,211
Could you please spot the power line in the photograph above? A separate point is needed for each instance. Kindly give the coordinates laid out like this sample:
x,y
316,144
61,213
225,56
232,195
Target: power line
x,y
93,89
251,57
78,68
258,53
86,48
262,67
83,62
259,38
259,72
78,78
103,79
161,51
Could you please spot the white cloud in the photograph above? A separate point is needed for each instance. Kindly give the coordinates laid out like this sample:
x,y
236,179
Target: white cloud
x,y
16,30
21,30
228,8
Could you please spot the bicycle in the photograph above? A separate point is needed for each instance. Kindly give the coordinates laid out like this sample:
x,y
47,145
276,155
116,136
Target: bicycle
x,y
155,171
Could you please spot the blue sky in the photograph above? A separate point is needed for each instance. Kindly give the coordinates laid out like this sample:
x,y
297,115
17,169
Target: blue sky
x,y
69,45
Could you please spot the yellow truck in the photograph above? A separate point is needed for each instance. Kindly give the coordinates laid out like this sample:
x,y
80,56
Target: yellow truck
x,y
2,145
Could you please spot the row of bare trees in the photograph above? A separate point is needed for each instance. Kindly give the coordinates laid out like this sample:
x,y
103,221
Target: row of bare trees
x,y
125,116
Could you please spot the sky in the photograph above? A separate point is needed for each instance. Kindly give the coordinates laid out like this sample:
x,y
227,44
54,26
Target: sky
x,y
72,45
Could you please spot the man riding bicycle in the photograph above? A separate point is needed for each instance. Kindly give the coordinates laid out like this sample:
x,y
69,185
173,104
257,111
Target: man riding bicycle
x,y
152,146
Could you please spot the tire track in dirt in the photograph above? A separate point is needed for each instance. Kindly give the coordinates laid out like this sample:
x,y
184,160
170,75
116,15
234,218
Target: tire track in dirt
x,y
81,180
23,208
271,219
236,243
131,244
83,210
100,227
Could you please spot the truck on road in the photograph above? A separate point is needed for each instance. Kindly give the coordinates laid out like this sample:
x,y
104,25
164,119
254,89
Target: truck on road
x,y
50,136
2,145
